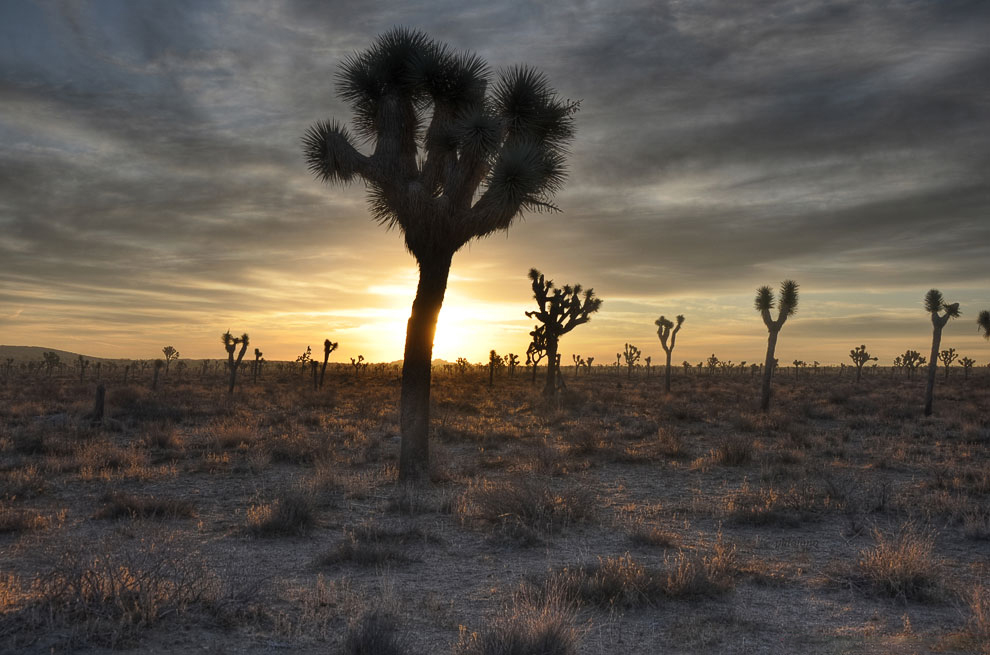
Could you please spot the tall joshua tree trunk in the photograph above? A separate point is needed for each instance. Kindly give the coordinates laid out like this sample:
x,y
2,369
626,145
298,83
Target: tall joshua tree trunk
x,y
550,386
666,375
934,303
414,419
768,371
787,306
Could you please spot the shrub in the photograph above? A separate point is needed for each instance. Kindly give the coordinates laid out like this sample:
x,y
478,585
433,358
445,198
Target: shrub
x,y
903,564
375,633
292,513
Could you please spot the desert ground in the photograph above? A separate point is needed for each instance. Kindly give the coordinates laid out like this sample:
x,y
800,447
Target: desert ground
x,y
614,519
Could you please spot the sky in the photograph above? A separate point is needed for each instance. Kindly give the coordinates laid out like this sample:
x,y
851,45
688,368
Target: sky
x,y
153,189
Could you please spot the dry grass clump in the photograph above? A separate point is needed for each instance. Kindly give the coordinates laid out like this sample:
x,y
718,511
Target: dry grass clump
x,y
730,451
163,436
529,507
292,513
622,582
122,506
903,564
652,535
376,633
370,544
23,520
530,625
24,482
106,595
769,506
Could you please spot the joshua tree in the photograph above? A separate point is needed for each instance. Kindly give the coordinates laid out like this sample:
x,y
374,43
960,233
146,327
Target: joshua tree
x,y
911,360
947,357
578,363
646,364
230,344
83,364
967,364
304,359
358,363
494,361
483,160
462,365
983,321
170,354
328,347
537,349
712,364
859,357
631,354
667,332
798,365
786,307
512,361
587,364
52,361
255,365
561,310
940,312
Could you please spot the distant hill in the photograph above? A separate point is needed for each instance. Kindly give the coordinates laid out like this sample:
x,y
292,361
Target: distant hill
x,y
36,353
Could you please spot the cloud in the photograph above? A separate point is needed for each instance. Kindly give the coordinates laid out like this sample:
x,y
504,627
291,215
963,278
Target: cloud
x,y
150,170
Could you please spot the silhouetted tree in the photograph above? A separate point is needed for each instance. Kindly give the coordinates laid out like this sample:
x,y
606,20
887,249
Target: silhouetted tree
x,y
512,361
537,349
52,360
494,362
304,359
561,310
328,347
256,365
947,357
786,307
983,321
631,354
230,343
170,354
910,361
966,364
483,160
940,312
859,357
358,364
667,332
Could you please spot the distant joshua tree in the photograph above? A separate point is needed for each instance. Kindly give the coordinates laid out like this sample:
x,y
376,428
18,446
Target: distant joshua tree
x,y
83,365
256,365
967,364
304,359
230,343
494,362
578,364
940,312
631,354
358,364
667,332
910,361
52,361
859,357
170,354
537,349
647,361
787,306
587,364
489,152
328,347
512,361
561,310
947,357
712,364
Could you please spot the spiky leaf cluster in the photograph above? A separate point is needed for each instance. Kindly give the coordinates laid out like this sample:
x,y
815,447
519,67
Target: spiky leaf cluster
x,y
666,330
983,322
561,309
786,304
489,152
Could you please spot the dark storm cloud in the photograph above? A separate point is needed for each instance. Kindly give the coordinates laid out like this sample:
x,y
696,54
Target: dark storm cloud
x,y
153,148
